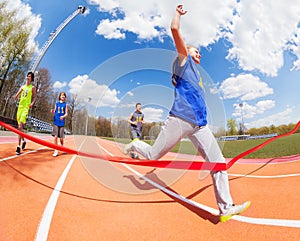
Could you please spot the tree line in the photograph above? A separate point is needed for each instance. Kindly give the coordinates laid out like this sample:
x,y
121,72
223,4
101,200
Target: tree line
x,y
239,129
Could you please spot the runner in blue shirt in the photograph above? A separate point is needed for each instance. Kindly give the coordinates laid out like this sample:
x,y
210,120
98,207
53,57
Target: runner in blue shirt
x,y
60,113
187,118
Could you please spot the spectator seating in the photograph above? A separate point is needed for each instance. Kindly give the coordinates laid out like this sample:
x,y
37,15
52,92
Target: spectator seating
x,y
38,125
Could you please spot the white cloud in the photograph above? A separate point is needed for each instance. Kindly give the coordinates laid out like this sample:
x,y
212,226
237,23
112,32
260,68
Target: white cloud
x,y
100,95
59,85
153,114
151,19
248,111
126,106
245,87
259,31
295,48
277,119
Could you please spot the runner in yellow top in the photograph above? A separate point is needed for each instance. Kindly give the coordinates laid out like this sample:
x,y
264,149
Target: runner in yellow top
x,y
25,92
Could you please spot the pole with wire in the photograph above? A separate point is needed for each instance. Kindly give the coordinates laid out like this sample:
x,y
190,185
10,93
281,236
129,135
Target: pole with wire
x,y
87,117
242,116
53,35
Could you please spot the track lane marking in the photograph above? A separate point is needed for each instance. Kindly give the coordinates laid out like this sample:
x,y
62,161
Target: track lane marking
x,y
266,177
24,153
44,225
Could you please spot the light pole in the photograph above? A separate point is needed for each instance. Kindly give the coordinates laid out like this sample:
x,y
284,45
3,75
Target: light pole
x,y
53,35
243,128
87,116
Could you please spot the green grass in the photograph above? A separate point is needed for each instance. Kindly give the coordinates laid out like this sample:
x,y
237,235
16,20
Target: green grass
x,y
285,146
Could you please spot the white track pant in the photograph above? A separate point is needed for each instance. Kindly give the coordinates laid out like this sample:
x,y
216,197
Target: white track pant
x,y
173,130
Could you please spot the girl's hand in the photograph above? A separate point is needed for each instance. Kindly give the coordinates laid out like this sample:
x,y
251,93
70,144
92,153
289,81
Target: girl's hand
x,y
180,10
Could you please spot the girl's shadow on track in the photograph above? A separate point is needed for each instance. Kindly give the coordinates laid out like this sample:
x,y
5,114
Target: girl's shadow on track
x,y
153,177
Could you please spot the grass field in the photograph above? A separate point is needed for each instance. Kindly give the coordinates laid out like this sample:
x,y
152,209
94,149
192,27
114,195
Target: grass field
x,y
285,146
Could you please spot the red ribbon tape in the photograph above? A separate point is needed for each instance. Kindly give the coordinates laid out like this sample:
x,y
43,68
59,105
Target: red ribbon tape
x,y
174,164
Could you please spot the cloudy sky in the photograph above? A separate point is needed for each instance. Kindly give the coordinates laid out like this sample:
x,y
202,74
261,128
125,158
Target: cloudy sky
x,y
120,52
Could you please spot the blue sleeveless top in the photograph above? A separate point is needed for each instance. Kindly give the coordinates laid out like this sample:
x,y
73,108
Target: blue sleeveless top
x,y
189,103
60,110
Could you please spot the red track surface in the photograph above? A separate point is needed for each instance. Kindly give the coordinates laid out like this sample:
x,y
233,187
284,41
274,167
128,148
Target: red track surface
x,y
104,201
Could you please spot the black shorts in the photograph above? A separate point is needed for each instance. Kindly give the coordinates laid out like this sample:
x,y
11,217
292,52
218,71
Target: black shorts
x,y
58,131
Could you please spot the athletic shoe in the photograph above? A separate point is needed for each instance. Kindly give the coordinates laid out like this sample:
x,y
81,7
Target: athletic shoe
x,y
18,151
234,210
55,153
23,145
127,148
134,156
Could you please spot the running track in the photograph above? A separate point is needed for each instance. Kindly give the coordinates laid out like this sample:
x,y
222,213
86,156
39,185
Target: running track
x,y
73,198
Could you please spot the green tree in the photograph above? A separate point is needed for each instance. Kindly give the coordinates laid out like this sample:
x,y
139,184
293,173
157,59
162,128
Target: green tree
x,y
282,129
8,103
263,130
14,50
253,132
232,127
73,103
272,129
14,56
43,104
291,126
221,132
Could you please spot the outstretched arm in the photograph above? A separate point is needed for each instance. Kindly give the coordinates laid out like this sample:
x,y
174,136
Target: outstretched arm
x,y
178,39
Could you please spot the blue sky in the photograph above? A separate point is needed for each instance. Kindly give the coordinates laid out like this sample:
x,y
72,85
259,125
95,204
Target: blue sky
x,y
120,53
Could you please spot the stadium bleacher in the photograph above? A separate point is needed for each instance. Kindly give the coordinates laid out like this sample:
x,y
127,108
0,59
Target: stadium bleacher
x,y
33,124
246,137
263,136
38,125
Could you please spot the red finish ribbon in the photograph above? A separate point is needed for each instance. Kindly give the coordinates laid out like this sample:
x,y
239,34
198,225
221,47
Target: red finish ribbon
x,y
174,164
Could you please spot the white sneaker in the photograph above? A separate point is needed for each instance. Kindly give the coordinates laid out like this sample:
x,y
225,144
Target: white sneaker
x,y
55,153
128,148
234,210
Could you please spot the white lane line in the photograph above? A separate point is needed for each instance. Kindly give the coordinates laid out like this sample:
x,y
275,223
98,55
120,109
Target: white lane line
x,y
262,221
269,221
24,153
267,177
44,226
